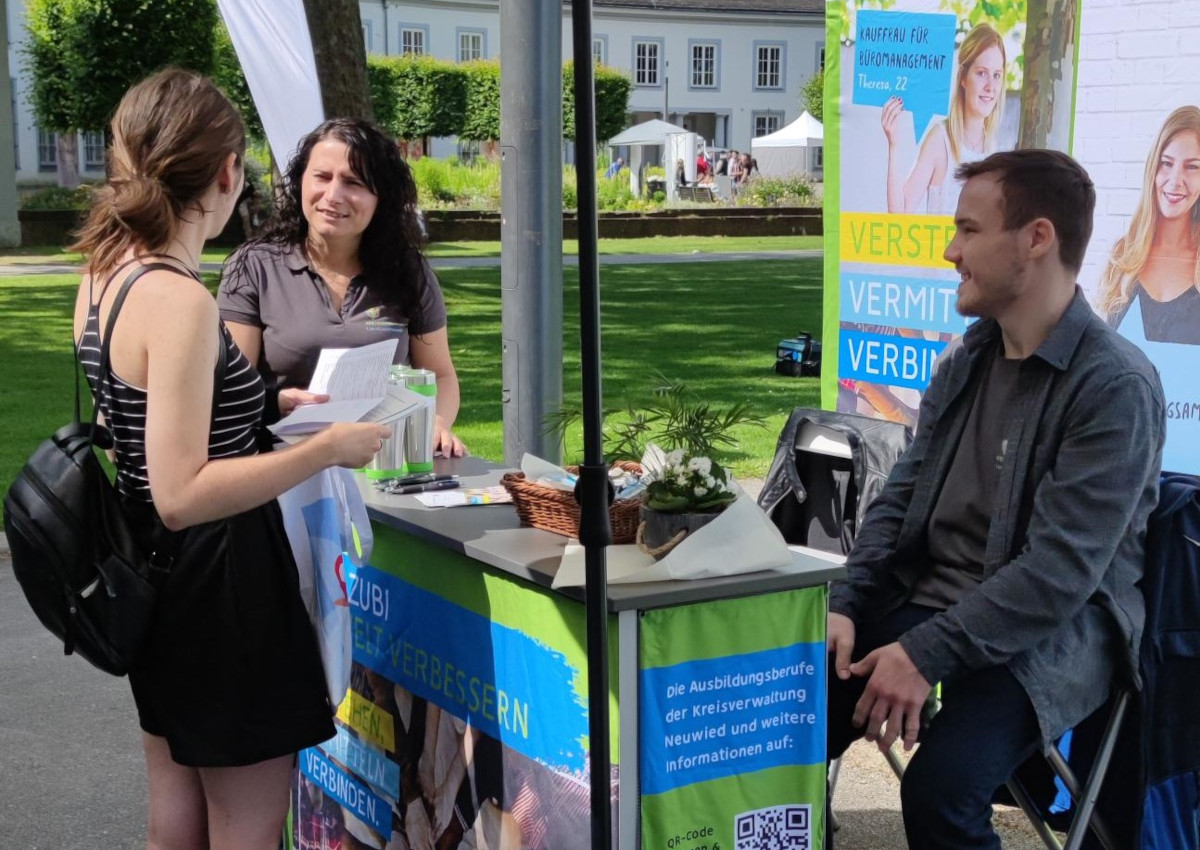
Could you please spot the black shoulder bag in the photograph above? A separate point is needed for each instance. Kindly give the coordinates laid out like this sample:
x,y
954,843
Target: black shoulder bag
x,y
78,560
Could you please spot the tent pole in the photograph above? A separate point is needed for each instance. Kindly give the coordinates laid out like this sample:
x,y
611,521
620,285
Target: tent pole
x,y
593,490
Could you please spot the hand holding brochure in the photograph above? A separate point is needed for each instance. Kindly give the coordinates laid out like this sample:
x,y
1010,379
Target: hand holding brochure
x,y
356,381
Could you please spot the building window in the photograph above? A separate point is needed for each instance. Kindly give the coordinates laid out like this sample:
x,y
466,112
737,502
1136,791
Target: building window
x,y
47,147
470,45
646,58
412,41
599,49
468,152
704,66
821,56
93,151
366,27
766,123
818,159
768,66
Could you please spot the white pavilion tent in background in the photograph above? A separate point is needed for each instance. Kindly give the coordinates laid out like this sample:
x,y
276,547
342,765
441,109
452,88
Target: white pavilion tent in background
x,y
652,133
791,149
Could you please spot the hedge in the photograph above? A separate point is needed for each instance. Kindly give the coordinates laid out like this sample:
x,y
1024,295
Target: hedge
x,y
415,96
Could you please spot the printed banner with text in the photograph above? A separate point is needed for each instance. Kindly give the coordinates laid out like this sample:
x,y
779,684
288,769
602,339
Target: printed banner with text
x,y
466,720
733,724
915,88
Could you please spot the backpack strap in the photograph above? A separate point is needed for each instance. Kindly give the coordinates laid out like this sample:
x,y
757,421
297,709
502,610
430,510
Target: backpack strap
x,y
164,542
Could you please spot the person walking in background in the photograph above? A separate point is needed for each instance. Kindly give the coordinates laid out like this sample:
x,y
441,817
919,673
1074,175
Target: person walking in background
x,y
342,266
229,685
967,134
614,169
1156,264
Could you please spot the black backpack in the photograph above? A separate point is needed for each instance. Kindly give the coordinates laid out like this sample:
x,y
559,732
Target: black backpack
x,y
76,556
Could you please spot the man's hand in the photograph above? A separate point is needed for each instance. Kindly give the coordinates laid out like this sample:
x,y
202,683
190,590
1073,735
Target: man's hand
x,y
895,694
839,642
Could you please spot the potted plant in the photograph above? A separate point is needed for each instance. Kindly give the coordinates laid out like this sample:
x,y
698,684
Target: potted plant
x,y
674,419
686,492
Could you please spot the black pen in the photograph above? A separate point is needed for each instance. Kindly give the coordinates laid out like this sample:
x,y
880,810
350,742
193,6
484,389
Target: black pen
x,y
420,478
443,484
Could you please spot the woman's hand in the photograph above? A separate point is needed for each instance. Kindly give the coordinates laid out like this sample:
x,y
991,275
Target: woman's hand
x,y
891,119
353,444
445,443
293,397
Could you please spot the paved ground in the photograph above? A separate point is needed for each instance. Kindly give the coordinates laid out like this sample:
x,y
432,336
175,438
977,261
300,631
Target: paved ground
x,y
15,266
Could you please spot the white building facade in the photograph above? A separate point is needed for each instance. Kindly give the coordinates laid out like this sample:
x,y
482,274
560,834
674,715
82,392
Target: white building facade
x,y
728,70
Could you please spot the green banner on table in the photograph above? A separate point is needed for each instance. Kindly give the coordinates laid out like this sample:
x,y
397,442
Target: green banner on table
x,y
465,725
733,723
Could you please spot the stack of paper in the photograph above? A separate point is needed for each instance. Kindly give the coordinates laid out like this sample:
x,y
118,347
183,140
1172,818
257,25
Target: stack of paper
x,y
356,381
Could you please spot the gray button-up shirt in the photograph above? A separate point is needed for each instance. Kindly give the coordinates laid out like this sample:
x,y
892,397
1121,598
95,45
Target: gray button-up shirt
x,y
1058,604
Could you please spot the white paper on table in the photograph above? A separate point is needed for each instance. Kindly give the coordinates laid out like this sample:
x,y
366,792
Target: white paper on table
x,y
742,539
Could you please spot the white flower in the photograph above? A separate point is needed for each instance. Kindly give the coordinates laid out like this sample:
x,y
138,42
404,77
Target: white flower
x,y
674,459
681,479
700,464
709,481
701,491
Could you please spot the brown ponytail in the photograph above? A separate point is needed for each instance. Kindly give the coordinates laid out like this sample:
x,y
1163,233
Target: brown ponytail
x,y
171,134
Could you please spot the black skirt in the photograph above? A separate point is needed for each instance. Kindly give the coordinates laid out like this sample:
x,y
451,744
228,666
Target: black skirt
x,y
231,674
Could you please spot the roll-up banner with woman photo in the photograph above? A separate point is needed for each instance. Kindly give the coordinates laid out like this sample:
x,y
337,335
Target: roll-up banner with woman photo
x,y
921,86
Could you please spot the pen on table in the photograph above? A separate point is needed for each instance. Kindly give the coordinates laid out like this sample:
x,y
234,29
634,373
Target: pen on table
x,y
415,479
444,484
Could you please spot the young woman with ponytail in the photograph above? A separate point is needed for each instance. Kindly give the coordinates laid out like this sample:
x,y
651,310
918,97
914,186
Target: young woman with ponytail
x,y
229,685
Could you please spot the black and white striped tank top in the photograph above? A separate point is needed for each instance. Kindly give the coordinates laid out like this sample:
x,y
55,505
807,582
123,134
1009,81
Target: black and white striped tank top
x,y
239,410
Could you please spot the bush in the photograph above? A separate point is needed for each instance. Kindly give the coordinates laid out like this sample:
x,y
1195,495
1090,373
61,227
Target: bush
x,y
59,198
613,193
794,190
443,183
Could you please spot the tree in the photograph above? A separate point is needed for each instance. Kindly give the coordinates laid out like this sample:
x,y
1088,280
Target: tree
x,y
812,95
417,96
481,115
612,101
335,28
84,55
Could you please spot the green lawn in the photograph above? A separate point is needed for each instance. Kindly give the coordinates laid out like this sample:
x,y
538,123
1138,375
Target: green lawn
x,y
712,326
44,254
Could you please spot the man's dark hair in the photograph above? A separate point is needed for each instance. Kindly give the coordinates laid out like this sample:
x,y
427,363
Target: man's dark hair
x,y
1046,184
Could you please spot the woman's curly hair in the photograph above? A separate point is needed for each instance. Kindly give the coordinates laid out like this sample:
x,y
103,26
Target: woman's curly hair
x,y
391,251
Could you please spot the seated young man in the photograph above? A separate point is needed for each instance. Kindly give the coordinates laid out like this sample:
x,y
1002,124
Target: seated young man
x,y
1001,558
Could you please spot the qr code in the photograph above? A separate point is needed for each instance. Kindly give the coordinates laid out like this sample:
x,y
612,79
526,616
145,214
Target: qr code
x,y
774,828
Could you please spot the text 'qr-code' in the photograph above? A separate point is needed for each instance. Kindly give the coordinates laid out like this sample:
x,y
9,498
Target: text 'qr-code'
x,y
774,828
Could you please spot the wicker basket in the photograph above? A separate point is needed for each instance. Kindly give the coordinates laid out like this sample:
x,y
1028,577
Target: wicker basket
x,y
556,510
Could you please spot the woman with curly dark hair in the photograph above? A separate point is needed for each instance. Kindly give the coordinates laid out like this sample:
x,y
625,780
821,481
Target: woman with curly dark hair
x,y
341,266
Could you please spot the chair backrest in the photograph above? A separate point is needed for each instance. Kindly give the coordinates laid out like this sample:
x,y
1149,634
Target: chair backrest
x,y
827,469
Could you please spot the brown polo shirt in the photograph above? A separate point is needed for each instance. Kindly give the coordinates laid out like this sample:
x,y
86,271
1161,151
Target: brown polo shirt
x,y
275,288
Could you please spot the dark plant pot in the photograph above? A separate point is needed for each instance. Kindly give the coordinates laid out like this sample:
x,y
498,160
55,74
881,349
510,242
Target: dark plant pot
x,y
659,532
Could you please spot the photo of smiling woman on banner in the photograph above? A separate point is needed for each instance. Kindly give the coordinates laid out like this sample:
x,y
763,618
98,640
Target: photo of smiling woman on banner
x,y
967,134
1150,287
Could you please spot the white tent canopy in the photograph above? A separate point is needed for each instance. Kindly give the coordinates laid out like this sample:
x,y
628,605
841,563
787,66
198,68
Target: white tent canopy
x,y
652,132
786,151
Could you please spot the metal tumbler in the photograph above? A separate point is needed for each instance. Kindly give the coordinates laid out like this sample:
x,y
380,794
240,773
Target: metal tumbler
x,y
389,460
418,439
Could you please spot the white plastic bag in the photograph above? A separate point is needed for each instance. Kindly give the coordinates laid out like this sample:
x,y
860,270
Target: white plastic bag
x,y
327,525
